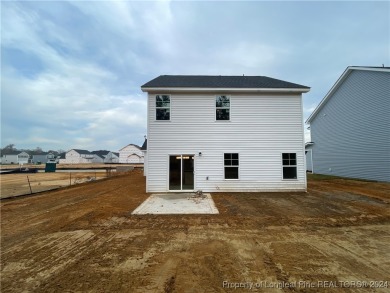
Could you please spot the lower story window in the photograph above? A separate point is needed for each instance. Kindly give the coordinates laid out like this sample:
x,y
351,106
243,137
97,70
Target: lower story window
x,y
289,165
231,163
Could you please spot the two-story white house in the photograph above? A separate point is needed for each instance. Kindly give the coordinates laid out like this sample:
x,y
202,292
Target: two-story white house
x,y
15,157
77,156
131,154
224,133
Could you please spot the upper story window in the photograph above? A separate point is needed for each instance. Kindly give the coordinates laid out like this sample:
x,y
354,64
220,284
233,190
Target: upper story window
x,y
163,107
222,106
289,165
231,164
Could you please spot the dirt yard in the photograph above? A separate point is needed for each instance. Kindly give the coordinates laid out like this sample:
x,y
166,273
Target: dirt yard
x,y
334,238
18,184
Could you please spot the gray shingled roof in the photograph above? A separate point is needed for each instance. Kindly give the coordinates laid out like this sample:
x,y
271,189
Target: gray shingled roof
x,y
82,152
145,145
218,81
100,153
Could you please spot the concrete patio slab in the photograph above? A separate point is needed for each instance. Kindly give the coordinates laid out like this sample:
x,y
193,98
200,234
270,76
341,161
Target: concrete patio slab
x,y
177,203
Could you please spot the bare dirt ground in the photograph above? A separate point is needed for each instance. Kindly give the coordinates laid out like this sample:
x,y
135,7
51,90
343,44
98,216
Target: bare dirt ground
x,y
18,184
334,238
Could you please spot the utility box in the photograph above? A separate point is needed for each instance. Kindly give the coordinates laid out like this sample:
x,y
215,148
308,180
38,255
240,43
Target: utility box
x,y
50,167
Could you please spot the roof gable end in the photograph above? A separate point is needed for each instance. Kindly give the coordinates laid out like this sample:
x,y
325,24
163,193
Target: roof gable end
x,y
339,82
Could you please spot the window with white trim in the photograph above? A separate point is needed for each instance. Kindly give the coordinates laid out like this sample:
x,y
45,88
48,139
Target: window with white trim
x,y
231,164
222,106
289,165
163,107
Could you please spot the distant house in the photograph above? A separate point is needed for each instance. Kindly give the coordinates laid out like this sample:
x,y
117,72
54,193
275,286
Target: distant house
x,y
61,158
131,154
77,156
309,156
42,157
15,157
224,134
144,149
350,128
111,158
100,156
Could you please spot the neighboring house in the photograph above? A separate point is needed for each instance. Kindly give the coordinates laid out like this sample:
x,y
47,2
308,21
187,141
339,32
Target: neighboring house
x,y
131,154
111,158
309,156
99,156
144,149
350,128
224,133
61,158
15,157
42,158
77,156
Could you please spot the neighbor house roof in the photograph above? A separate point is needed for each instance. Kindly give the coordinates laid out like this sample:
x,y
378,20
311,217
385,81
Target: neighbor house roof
x,y
145,145
40,154
337,84
10,152
220,82
132,145
100,153
82,152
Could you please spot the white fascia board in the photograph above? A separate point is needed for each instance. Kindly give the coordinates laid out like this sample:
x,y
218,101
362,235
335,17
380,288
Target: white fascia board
x,y
337,84
329,94
243,90
380,69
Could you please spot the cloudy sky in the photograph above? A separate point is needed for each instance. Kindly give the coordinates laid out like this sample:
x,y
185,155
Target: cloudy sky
x,y
71,71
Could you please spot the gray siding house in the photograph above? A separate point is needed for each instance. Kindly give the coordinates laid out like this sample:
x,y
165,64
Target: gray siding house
x,y
42,158
350,128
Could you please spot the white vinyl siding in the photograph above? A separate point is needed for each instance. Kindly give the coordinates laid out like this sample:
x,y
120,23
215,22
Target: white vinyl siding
x,y
261,127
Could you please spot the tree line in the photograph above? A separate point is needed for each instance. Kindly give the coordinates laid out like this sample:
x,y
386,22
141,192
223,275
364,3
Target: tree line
x,y
8,149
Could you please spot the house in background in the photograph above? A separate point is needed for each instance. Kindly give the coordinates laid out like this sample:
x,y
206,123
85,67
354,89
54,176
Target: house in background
x,y
224,133
77,156
42,158
100,156
62,158
309,156
111,158
15,157
350,128
131,154
144,149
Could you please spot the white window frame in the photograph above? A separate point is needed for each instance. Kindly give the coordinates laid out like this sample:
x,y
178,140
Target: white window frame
x,y
238,166
155,106
230,107
296,165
